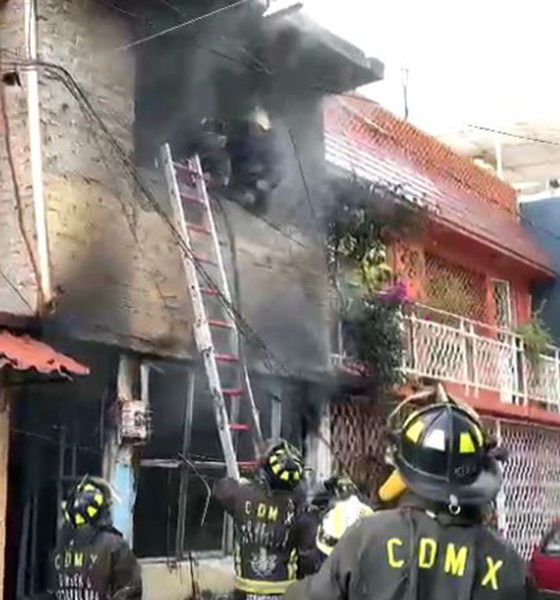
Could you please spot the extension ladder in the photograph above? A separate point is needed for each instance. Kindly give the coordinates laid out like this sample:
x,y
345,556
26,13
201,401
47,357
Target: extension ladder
x,y
209,290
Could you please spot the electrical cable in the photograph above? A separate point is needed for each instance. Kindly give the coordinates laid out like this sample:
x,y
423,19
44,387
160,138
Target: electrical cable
x,y
50,440
270,360
116,8
172,7
182,25
514,135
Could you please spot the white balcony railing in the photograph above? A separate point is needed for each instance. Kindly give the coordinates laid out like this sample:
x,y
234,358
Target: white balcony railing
x,y
480,357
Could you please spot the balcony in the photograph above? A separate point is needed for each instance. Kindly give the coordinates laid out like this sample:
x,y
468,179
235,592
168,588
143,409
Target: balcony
x,y
480,358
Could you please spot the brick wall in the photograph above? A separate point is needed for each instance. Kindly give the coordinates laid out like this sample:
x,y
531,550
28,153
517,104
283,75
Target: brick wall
x,y
15,264
115,267
107,254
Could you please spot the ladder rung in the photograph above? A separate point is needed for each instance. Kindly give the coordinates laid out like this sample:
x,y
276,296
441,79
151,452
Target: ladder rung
x,y
192,198
239,427
232,392
222,324
205,259
185,168
248,464
207,291
199,229
231,358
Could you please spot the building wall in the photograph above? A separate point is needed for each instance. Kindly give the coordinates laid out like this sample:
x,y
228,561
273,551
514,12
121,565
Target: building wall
x,y
173,582
17,271
106,252
116,268
4,446
466,259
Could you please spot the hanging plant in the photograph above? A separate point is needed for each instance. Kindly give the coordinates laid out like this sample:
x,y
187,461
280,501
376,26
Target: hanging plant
x,y
365,219
373,335
536,339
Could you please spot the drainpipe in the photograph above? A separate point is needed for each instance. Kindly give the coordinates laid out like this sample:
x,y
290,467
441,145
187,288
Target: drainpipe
x,y
35,148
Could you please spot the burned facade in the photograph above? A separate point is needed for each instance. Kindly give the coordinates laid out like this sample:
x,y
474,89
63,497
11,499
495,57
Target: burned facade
x,y
108,286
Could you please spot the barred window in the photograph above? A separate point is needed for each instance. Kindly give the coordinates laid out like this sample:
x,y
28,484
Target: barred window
x,y
455,289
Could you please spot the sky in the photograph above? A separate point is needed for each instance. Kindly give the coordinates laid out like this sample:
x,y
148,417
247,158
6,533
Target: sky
x,y
487,62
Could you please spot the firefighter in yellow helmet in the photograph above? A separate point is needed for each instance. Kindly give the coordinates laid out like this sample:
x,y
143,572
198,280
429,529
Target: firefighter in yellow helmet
x,y
434,545
345,510
92,560
266,514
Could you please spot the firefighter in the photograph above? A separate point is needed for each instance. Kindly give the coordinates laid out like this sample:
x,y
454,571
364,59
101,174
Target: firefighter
x,y
266,513
332,511
433,546
213,154
255,161
346,510
92,561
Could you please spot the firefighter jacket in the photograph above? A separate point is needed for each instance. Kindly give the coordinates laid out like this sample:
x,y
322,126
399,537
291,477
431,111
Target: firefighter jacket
x,y
92,563
412,553
266,549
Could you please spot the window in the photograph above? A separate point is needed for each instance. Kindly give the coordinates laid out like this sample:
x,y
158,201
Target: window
x,y
173,495
503,305
454,289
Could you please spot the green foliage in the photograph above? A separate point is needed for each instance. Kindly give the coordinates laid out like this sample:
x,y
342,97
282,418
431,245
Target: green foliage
x,y
536,339
364,221
373,333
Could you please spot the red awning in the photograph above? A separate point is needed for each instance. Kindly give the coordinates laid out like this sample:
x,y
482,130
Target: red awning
x,y
23,353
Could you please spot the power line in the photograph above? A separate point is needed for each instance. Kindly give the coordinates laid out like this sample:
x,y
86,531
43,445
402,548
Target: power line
x,y
117,8
182,25
515,135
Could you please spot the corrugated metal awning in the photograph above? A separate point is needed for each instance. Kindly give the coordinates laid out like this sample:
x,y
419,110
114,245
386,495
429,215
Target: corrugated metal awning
x,y
24,353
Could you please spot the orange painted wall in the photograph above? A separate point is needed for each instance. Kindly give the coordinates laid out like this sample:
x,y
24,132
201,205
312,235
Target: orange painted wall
x,y
470,255
476,257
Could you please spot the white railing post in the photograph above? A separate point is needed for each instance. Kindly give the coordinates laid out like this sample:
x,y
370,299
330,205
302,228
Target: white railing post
x,y
557,379
465,350
515,392
524,381
476,378
413,345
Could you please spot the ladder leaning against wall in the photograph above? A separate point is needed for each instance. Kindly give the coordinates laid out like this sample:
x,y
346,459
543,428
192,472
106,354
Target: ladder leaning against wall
x,y
215,331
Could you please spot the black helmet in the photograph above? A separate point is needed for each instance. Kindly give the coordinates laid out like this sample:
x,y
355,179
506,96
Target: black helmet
x,y
442,455
282,465
88,502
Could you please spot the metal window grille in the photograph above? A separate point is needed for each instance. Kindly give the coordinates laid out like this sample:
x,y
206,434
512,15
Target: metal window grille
x,y
358,443
452,288
503,305
530,499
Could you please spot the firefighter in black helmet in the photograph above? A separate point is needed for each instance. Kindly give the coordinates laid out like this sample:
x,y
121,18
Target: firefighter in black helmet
x,y
434,545
266,513
92,560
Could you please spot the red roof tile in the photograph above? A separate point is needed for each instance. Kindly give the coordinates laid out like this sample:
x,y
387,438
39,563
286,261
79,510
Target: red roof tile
x,y
366,139
23,353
